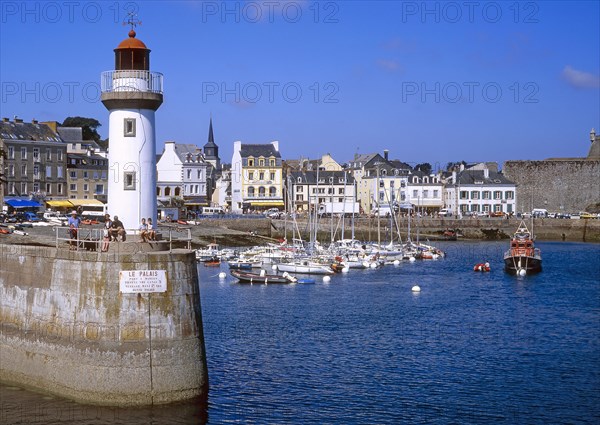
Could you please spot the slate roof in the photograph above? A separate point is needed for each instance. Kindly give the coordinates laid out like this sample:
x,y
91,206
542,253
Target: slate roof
x,y
257,150
469,177
183,149
23,131
310,177
70,134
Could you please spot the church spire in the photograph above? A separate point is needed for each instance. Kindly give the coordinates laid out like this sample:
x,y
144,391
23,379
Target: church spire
x,y
211,138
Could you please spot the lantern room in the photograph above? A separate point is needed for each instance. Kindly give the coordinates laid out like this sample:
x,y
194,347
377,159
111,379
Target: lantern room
x,y
132,54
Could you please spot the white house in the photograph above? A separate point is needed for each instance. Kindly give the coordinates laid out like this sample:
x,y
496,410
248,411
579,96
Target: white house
x,y
479,189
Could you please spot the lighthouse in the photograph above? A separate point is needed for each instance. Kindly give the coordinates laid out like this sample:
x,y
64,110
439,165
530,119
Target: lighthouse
x,y
132,94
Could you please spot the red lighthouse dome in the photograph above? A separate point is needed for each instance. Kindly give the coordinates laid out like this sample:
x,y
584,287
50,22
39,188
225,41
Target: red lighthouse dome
x,y
132,54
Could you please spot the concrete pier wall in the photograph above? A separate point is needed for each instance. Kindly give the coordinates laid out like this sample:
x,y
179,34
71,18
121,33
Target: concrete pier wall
x,y
65,327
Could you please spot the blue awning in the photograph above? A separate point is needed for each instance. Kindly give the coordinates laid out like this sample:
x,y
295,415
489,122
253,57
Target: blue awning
x,y
21,203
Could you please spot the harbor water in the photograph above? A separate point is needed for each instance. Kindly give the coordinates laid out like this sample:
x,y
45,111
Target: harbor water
x,y
469,348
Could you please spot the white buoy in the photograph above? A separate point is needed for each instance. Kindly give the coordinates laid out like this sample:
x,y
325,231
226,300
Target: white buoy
x,y
326,278
522,272
416,288
222,275
373,265
396,262
346,269
412,259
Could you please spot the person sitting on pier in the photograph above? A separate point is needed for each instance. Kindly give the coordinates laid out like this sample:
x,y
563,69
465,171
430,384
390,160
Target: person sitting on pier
x,y
73,222
117,229
151,230
143,230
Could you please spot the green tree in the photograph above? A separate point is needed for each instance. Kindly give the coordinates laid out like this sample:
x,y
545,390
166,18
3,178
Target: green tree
x,y
424,167
89,127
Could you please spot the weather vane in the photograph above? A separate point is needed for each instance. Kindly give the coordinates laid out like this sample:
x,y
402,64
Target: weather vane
x,y
132,20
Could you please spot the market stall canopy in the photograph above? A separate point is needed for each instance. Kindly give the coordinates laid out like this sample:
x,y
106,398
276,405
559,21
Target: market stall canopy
x,y
59,203
78,202
22,203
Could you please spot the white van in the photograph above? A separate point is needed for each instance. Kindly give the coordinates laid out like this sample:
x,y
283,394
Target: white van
x,y
445,212
212,210
539,212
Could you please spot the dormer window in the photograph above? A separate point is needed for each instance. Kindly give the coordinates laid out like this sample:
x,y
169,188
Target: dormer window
x,y
250,162
415,179
299,179
188,157
261,162
272,162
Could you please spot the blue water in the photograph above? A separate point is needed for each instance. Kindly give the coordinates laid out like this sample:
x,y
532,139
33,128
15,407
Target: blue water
x,y
363,348
470,348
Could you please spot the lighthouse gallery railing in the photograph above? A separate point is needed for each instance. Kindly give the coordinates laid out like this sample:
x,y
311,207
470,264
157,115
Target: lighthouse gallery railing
x,y
132,80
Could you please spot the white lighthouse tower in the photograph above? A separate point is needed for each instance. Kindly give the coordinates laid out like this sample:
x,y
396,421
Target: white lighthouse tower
x,y
132,94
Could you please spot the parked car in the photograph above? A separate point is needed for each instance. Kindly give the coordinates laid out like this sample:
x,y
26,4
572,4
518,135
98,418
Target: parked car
x,y
585,214
575,216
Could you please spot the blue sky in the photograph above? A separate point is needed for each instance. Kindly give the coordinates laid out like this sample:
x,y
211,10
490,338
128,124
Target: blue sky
x,y
429,81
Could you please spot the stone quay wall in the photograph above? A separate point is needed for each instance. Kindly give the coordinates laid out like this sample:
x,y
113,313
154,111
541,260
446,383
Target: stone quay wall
x,y
568,185
65,327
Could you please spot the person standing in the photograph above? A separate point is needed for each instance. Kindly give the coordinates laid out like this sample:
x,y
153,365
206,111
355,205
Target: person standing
x,y
73,223
106,232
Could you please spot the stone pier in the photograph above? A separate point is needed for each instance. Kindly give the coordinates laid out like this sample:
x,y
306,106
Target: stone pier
x,y
67,329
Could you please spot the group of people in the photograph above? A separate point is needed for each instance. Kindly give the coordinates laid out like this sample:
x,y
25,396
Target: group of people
x,y
147,230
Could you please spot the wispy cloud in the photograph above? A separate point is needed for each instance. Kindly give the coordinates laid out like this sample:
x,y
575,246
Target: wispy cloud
x,y
389,65
580,79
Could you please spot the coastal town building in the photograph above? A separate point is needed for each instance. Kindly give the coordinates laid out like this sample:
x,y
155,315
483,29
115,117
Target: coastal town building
x,y
310,189
256,177
182,176
425,192
34,163
479,190
221,196
87,176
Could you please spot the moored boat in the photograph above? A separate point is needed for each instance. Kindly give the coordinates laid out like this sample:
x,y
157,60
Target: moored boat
x,y
262,277
522,258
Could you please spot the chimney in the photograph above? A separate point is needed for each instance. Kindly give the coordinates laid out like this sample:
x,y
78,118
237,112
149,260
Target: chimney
x,y
592,135
486,173
18,120
385,154
5,120
34,121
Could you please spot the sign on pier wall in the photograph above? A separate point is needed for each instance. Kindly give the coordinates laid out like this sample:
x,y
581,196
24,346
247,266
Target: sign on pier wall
x,y
144,281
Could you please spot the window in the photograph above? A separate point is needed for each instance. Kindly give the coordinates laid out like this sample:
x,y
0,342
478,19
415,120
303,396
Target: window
x,y
486,208
73,174
381,183
36,171
415,194
11,170
59,155
299,179
48,189
48,154
251,192
299,188
402,183
272,192
59,172
177,191
36,187
23,170
464,194
271,162
392,183
509,194
474,194
85,175
261,162
189,173
497,194
96,175
23,153
129,180
73,187
436,193
86,187
498,208
11,188
59,189
487,194
11,152
167,191
425,194
251,175
129,127
261,192
381,196
261,175
48,171
340,191
250,162
299,197
36,154
272,176
198,174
